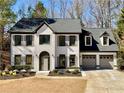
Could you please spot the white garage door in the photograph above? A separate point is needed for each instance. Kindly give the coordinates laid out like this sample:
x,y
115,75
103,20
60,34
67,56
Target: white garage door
x,y
106,61
89,61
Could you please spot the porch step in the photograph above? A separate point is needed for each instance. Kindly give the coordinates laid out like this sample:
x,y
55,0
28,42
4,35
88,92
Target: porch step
x,y
44,73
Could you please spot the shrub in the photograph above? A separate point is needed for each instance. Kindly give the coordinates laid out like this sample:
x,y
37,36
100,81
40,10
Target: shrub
x,y
27,67
120,63
17,67
10,72
0,72
3,73
21,67
72,67
76,71
67,71
55,71
61,72
14,73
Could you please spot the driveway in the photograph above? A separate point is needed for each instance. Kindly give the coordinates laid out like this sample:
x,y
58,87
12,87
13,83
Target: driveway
x,y
105,81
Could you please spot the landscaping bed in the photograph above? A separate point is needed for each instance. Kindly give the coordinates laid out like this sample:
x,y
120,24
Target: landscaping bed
x,y
62,72
15,75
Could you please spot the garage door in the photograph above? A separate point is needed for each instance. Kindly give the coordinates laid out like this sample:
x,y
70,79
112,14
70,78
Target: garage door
x,y
106,61
89,62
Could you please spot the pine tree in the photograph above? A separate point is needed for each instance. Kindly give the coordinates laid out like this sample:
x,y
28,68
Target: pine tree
x,y
39,11
120,23
6,17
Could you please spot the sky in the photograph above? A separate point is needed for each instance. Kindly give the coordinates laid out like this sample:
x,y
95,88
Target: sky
x,y
20,3
25,3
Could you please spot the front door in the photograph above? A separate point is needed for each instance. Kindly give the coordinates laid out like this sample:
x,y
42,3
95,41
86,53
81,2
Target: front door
x,y
44,61
45,64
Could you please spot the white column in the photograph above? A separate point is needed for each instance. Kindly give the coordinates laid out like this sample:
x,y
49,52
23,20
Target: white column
x,y
68,61
115,60
97,62
77,61
52,62
12,60
36,62
23,59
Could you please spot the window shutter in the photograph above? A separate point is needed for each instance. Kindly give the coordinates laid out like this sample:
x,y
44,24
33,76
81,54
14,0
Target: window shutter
x,y
57,61
13,39
32,64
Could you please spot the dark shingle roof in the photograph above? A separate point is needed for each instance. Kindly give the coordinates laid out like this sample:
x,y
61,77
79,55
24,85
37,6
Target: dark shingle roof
x,y
96,34
57,25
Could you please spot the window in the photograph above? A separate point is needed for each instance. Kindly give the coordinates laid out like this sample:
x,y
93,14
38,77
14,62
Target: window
x,y
17,59
61,40
62,61
44,39
105,40
72,40
88,41
72,60
17,39
28,40
28,59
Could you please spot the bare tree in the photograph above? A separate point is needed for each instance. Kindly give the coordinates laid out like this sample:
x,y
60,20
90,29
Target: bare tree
x,y
63,8
103,11
76,10
52,8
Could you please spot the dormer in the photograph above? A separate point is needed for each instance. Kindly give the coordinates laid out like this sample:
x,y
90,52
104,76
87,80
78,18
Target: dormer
x,y
88,40
104,38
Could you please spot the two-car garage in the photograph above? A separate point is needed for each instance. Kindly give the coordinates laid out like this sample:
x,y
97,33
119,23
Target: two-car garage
x,y
101,61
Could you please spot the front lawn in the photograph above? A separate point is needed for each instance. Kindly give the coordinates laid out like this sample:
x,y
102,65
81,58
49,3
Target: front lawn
x,y
43,85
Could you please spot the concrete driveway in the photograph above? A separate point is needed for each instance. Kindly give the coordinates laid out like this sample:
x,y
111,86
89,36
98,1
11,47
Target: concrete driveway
x,y
105,81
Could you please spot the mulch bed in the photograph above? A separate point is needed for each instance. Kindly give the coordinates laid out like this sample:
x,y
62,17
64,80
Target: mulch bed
x,y
17,76
65,74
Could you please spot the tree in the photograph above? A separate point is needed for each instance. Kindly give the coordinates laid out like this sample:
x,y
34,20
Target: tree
x,y
6,17
63,8
76,10
120,23
39,11
104,11
52,8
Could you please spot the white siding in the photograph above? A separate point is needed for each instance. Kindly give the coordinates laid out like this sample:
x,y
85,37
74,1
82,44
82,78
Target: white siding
x,y
53,49
68,50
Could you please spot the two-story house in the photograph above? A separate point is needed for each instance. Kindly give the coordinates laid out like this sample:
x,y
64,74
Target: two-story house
x,y
49,44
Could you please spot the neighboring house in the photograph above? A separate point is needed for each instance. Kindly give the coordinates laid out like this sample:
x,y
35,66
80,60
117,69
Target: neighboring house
x,y
49,44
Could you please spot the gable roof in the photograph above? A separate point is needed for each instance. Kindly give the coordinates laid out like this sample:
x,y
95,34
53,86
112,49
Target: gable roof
x,y
30,25
97,46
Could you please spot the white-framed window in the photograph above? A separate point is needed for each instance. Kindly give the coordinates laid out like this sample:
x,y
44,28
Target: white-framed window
x,y
72,40
88,40
28,60
61,40
44,39
17,40
17,59
105,40
72,60
29,40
